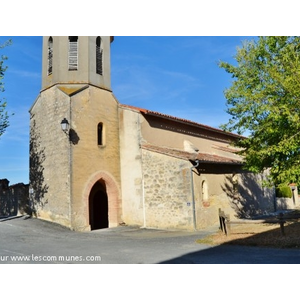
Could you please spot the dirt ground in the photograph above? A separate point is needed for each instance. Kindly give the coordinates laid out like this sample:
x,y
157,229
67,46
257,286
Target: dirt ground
x,y
263,235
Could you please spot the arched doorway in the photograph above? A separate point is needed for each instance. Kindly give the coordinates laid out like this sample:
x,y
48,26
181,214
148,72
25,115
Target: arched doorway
x,y
98,206
103,181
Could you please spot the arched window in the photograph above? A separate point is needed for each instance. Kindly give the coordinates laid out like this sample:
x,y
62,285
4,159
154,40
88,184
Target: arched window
x,y
99,51
50,55
234,183
204,191
73,53
100,131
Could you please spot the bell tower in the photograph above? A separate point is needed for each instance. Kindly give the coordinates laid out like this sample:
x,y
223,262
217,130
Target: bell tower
x,y
75,169
76,59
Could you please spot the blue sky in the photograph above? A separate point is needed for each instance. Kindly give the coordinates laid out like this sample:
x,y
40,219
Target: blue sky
x,y
169,74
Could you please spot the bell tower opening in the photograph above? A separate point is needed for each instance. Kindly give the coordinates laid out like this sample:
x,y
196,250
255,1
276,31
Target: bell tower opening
x,y
98,206
50,55
73,53
99,52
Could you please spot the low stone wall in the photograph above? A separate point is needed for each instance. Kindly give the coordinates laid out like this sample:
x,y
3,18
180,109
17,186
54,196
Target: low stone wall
x,y
285,203
14,199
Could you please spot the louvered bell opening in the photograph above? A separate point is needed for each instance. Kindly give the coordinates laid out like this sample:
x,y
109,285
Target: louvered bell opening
x,y
50,56
99,68
73,55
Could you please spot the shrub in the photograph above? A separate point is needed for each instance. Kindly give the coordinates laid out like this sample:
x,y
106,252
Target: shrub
x,y
284,192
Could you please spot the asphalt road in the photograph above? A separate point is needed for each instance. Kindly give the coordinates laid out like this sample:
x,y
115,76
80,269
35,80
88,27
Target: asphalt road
x,y
32,241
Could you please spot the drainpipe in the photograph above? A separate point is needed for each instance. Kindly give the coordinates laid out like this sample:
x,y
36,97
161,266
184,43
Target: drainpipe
x,y
142,169
193,194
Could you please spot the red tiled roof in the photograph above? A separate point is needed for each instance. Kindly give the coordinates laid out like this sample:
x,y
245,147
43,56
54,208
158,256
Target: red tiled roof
x,y
180,120
202,157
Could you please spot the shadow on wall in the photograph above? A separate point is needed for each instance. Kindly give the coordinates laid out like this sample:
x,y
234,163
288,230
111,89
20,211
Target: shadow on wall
x,y
38,189
247,196
73,137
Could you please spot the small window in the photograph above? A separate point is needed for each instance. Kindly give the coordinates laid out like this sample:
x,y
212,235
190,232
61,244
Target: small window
x,y
100,134
204,191
99,52
73,53
205,198
50,55
235,183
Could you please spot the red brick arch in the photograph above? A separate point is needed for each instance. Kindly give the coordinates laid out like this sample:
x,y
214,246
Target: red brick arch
x,y
113,195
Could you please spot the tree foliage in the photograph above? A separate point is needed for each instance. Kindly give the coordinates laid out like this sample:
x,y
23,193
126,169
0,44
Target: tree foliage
x,y
3,113
264,102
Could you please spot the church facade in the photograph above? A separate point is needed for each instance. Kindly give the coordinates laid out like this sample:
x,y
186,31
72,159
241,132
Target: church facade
x,y
97,163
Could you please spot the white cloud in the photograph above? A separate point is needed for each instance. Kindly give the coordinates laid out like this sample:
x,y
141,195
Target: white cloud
x,y
22,73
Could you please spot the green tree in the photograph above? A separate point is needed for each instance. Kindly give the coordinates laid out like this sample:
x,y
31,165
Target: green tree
x,y
264,102
3,113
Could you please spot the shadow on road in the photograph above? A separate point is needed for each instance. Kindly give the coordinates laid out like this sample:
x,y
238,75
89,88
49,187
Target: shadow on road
x,y
268,247
228,254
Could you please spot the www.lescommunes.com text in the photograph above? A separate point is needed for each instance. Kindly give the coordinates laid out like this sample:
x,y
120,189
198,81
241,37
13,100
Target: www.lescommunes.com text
x,y
49,258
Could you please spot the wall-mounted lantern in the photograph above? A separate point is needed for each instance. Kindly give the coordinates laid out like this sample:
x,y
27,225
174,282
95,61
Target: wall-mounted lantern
x,y
65,125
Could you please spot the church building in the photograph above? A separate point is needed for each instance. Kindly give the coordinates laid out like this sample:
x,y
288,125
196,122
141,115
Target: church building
x,y
97,163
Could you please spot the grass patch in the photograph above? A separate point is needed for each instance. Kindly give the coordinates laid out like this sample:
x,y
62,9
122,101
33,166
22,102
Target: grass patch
x,y
259,235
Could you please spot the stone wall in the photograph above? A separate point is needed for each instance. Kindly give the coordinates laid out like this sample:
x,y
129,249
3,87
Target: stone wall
x,y
169,201
92,162
65,166
50,157
131,167
240,195
14,199
167,191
